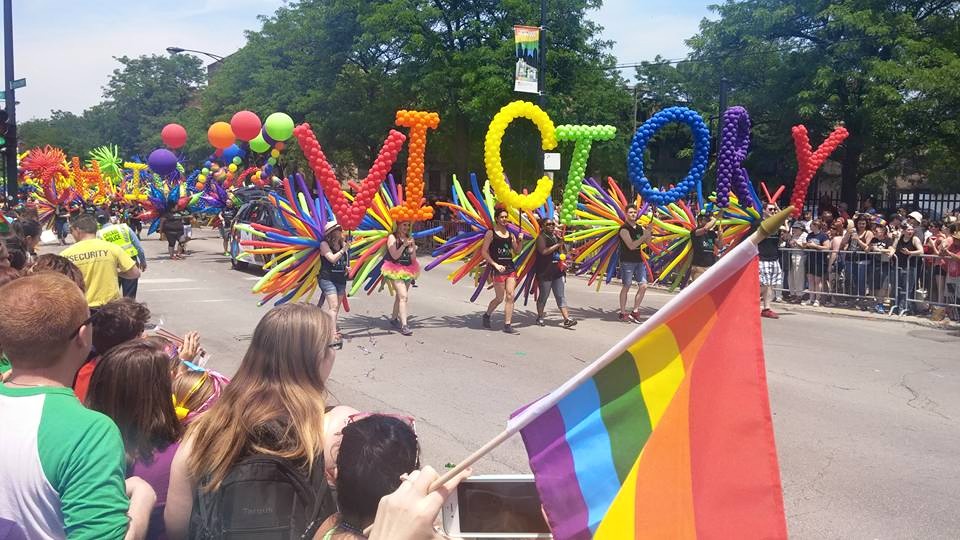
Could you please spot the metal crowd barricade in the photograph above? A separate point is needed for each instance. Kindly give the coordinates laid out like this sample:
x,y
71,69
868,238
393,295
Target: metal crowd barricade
x,y
862,279
930,289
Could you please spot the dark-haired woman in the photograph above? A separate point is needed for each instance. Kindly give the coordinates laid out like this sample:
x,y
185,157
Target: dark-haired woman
x,y
550,272
375,452
400,266
131,384
499,248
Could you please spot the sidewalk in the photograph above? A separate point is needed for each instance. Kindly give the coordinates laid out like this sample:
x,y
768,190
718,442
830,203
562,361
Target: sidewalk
x,y
945,324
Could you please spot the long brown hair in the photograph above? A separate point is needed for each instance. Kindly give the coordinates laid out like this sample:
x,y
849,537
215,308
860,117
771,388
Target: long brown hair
x,y
131,385
274,404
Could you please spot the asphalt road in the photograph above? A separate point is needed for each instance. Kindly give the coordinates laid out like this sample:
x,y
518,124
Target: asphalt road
x,y
866,413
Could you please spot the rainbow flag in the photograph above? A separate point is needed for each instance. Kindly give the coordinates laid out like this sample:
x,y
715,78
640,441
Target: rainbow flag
x,y
668,434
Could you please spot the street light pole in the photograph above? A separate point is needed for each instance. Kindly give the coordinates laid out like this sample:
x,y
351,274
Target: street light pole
x,y
175,50
542,71
10,152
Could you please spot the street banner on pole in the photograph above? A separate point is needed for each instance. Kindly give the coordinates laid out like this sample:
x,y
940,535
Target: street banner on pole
x,y
527,39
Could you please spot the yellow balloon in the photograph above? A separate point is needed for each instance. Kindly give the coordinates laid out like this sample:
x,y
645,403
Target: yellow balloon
x,y
491,153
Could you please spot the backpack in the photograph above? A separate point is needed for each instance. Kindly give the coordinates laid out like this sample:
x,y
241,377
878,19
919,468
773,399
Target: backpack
x,y
263,497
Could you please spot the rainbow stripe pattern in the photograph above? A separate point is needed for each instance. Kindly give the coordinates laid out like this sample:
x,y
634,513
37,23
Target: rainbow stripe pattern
x,y
671,437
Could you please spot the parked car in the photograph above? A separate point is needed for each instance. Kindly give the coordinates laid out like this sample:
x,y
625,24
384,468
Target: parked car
x,y
255,209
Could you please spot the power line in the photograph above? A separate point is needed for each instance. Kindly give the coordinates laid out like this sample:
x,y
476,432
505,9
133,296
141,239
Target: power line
x,y
667,62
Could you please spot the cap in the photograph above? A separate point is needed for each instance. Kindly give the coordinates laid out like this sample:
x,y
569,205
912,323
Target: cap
x,y
916,215
796,225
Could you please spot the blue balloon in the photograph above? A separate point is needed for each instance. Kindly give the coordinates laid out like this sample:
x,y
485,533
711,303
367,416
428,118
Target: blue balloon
x,y
231,152
701,151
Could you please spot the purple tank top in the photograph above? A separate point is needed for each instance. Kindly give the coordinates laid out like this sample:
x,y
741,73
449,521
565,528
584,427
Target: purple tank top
x,y
157,474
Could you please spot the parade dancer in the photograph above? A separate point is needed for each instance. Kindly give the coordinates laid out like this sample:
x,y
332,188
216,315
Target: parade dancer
x,y
401,268
333,272
551,271
632,237
499,247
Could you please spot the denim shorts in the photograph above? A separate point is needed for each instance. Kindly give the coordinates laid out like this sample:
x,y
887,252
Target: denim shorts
x,y
630,271
338,288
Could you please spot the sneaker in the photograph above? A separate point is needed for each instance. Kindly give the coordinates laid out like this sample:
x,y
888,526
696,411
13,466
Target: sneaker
x,y
624,317
816,303
569,323
507,329
635,316
486,321
396,323
541,322
769,314
406,331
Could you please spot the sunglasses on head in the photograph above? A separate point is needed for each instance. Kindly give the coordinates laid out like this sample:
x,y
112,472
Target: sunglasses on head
x,y
89,320
408,420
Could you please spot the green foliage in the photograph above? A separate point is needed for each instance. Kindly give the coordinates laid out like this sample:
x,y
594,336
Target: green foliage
x,y
347,66
886,70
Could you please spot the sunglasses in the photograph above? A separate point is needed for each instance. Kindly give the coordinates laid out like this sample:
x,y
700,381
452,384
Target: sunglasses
x,y
408,420
336,345
89,320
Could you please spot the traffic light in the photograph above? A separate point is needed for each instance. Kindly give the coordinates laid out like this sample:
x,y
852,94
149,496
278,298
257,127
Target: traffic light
x,y
3,128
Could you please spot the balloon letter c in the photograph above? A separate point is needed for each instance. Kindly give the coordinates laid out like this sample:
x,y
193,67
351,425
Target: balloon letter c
x,y
491,154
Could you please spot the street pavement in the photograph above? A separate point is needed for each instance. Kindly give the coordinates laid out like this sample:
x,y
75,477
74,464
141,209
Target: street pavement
x,y
866,413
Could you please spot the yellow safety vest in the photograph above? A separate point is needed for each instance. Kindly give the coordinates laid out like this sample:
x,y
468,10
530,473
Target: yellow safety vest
x,y
119,235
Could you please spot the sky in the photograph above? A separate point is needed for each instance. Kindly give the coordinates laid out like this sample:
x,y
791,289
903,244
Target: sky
x,y
66,48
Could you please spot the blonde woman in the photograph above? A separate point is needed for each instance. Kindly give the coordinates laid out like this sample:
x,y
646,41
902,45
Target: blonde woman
x,y
267,427
400,266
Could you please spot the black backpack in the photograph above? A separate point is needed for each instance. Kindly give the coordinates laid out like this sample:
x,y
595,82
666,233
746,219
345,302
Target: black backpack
x,y
263,498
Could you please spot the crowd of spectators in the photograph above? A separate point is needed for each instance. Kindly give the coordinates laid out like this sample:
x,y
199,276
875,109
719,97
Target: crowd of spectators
x,y
111,432
901,263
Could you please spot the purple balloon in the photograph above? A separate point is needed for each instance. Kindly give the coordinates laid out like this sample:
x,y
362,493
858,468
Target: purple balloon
x,y
734,145
162,161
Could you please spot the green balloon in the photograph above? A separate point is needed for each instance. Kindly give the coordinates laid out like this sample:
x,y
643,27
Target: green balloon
x,y
279,126
259,145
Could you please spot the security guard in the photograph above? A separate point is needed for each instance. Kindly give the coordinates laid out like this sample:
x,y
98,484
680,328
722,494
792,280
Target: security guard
x,y
122,235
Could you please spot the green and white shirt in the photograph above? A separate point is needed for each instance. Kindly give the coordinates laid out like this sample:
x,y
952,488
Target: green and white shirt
x,y
61,466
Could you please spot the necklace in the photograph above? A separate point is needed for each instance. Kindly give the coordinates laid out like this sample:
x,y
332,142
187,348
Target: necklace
x,y
350,528
24,384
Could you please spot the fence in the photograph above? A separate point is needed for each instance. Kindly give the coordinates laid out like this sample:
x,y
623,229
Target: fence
x,y
871,281
931,205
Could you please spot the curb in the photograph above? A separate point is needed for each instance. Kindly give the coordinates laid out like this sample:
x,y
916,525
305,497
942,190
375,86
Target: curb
x,y
945,324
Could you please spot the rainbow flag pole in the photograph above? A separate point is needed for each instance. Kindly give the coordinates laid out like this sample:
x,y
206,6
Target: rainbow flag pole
x,y
668,434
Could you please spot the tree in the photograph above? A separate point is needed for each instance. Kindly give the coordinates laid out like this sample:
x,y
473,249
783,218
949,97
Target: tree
x,y
143,95
885,69
346,66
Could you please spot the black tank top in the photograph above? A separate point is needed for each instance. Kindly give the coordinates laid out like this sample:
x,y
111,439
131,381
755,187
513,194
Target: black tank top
x,y
627,254
334,271
501,249
404,258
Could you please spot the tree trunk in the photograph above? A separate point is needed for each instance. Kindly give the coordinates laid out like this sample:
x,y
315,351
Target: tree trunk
x,y
850,170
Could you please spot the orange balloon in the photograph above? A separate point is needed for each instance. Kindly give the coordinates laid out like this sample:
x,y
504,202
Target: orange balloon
x,y
221,135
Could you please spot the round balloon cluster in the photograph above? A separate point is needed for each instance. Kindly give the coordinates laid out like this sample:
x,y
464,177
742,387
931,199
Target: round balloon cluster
x,y
809,161
494,166
412,208
584,137
701,152
349,215
734,145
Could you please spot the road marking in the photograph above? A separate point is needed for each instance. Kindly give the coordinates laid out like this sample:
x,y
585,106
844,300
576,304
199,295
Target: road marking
x,y
166,280
208,301
176,289
251,278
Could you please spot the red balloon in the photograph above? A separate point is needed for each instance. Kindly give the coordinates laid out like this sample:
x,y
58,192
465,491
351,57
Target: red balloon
x,y
174,136
246,125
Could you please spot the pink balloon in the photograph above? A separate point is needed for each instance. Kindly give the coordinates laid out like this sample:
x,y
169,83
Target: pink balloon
x,y
245,125
174,135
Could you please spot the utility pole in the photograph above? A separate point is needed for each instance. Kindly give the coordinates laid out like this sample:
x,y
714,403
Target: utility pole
x,y
10,152
542,71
